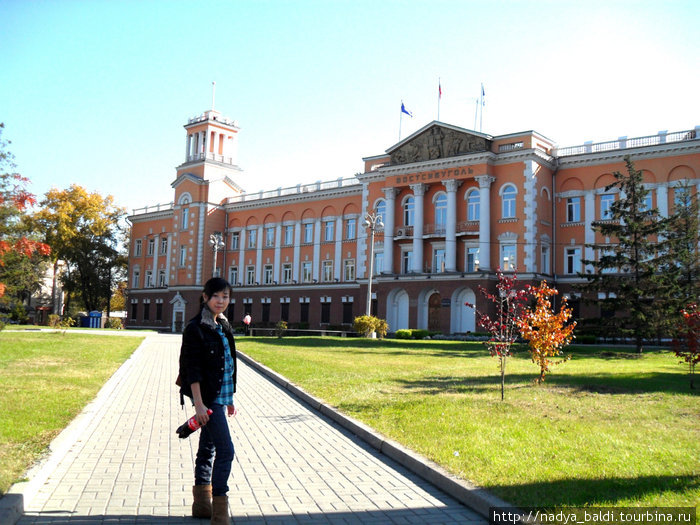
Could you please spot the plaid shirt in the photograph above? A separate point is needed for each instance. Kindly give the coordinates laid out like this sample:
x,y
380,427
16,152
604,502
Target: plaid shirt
x,y
225,396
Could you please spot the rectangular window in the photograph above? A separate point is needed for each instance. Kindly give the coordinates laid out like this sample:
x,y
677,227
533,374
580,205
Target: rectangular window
x,y
151,245
378,263
267,274
306,272
407,262
349,270
328,231
473,206
135,281
235,240
681,198
327,267
508,257
350,229
325,313
250,275
252,238
286,273
266,313
134,310
573,260
284,311
605,203
269,237
183,255
149,279
308,233
164,246
544,262
233,275
573,209
137,247
159,311
439,260
472,259
304,312
288,235
347,313
161,278
646,203
146,311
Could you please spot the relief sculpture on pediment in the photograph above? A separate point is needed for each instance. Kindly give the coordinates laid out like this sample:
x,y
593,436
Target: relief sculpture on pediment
x,y
437,143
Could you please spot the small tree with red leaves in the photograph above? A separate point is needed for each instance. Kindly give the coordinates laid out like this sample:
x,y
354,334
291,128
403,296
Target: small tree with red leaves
x,y
687,343
545,331
14,200
503,327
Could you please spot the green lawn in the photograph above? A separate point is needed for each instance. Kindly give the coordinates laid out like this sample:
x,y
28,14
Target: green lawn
x,y
607,428
46,380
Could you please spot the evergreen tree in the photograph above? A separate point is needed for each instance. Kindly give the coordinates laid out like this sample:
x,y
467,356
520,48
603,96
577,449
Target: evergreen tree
x,y
626,269
681,267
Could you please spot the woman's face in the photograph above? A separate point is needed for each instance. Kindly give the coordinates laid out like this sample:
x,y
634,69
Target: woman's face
x,y
218,302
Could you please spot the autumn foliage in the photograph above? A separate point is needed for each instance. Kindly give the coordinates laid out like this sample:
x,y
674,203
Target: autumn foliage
x,y
503,326
14,200
687,343
545,331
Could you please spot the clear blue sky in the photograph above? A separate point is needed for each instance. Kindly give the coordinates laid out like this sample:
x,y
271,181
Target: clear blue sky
x,y
96,92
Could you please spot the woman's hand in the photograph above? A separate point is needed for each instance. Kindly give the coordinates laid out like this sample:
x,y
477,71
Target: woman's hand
x,y
231,410
201,412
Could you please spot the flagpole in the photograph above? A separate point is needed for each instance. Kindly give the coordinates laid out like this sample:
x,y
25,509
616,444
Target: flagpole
x,y
439,97
481,117
400,120
476,111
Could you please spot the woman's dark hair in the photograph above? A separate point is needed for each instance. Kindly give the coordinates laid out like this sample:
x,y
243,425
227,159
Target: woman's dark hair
x,y
214,285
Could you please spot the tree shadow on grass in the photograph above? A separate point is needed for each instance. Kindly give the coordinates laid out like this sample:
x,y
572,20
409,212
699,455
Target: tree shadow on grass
x,y
599,383
599,491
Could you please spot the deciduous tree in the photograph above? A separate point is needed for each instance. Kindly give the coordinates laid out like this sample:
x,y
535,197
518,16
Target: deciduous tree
x,y
545,331
503,326
83,230
687,343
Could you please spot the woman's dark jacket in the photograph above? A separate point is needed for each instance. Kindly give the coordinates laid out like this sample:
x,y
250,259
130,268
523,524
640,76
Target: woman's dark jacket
x,y
202,356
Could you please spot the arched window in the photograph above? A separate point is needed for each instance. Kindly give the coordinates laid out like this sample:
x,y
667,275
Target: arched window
x,y
441,210
473,205
408,210
381,209
508,202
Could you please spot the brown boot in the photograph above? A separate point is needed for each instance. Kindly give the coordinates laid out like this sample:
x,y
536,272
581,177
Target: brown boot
x,y
219,515
201,508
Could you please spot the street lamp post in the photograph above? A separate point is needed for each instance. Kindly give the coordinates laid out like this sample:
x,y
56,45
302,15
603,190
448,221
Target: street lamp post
x,y
372,221
217,243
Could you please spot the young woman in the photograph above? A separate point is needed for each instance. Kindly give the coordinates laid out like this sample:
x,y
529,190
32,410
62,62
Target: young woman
x,y
208,377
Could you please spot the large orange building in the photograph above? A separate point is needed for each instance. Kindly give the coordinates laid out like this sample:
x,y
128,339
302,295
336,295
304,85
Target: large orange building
x,y
456,205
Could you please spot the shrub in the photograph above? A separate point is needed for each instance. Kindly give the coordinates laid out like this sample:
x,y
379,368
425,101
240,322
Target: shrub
x,y
115,323
280,328
419,334
403,334
366,324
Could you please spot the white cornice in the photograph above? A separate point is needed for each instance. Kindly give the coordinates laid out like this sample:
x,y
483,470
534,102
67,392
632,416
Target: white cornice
x,y
296,197
150,216
618,155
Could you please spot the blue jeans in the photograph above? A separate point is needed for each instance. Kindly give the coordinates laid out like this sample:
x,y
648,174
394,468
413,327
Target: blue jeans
x,y
215,453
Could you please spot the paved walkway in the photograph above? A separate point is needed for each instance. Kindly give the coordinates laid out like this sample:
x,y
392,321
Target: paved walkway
x,y
121,462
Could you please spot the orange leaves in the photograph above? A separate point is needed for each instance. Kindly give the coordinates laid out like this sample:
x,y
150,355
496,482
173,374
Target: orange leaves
x,y
545,331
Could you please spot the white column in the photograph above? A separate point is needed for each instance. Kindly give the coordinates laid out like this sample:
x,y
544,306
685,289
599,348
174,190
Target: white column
x,y
662,200
418,193
589,217
202,143
338,247
278,247
167,258
315,265
241,256
451,225
258,254
485,182
297,251
188,147
390,196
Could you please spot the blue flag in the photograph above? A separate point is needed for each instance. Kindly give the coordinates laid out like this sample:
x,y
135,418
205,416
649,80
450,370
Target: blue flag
x,y
404,110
